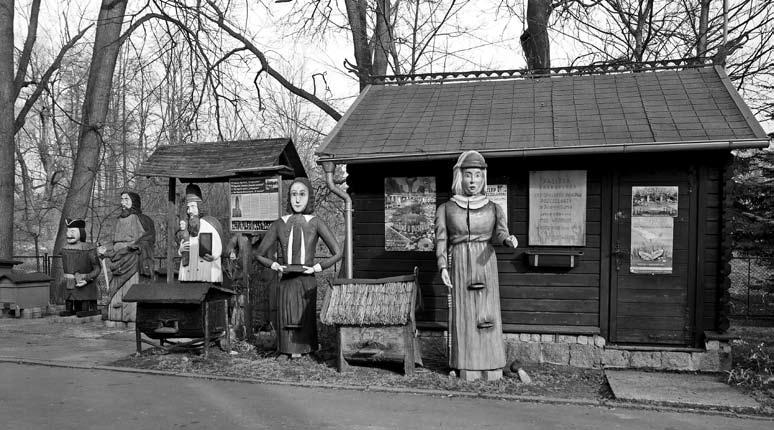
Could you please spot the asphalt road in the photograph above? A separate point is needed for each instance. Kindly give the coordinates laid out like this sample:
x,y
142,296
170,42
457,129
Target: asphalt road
x,y
42,397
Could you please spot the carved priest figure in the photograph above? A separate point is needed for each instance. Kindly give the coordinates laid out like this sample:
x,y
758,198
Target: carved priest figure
x,y
466,228
130,255
81,269
297,235
205,242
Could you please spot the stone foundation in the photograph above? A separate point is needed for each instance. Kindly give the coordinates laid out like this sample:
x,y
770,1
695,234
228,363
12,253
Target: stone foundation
x,y
592,351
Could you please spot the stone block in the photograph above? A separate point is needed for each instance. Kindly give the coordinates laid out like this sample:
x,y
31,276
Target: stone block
x,y
725,361
585,356
563,338
706,361
511,337
547,338
556,353
615,358
525,337
676,360
583,340
712,345
648,359
599,341
523,352
534,338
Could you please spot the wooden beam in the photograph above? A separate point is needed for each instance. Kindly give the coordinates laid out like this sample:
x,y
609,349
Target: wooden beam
x,y
171,229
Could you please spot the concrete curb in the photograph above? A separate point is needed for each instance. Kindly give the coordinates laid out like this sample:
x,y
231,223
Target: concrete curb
x,y
656,406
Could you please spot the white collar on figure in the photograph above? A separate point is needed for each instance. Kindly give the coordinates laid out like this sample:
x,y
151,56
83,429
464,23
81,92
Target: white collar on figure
x,y
472,202
307,218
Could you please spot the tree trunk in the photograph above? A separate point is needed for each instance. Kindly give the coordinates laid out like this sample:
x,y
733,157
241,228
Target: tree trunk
x,y
356,14
93,114
382,42
701,46
534,40
7,156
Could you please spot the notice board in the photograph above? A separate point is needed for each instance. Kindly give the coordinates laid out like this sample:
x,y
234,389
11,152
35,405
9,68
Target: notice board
x,y
255,203
557,208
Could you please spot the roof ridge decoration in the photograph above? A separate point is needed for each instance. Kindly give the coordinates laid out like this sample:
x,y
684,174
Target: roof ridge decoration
x,y
591,69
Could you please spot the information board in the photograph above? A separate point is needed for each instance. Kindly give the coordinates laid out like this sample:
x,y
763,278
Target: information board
x,y
557,208
255,203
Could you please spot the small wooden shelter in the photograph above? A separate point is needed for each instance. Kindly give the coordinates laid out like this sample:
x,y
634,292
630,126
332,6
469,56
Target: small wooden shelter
x,y
614,180
221,162
374,319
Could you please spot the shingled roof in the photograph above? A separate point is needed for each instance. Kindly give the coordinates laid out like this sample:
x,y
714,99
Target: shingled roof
x,y
664,110
222,160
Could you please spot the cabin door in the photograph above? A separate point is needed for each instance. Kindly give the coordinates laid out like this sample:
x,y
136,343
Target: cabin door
x,y
650,286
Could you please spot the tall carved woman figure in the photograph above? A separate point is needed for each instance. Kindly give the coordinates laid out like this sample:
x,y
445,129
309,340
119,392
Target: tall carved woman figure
x,y
466,228
297,235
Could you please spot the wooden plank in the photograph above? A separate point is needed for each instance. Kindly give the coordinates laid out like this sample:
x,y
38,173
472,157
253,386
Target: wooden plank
x,y
549,305
652,336
556,280
550,318
656,323
550,329
606,232
651,296
650,309
551,292
654,282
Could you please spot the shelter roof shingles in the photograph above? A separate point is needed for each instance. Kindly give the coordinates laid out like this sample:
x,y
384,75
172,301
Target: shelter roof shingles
x,y
611,111
209,160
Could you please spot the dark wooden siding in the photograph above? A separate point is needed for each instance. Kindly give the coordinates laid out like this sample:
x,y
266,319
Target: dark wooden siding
x,y
529,296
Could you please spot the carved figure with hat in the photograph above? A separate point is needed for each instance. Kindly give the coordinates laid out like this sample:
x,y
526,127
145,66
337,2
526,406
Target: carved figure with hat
x,y
467,228
204,244
81,268
130,255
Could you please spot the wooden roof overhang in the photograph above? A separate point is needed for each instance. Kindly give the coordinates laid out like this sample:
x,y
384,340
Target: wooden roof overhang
x,y
220,161
680,106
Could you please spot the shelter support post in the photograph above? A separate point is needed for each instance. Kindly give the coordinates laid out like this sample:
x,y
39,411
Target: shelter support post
x,y
329,167
171,229
245,251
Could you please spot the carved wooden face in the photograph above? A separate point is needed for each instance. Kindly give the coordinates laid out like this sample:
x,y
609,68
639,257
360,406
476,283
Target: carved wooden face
x,y
299,197
73,235
472,181
126,201
192,209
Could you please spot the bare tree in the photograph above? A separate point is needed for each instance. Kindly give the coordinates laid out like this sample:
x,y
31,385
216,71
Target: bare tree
x,y
7,156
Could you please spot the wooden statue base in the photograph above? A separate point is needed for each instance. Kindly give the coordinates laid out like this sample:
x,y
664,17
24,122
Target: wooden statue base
x,y
485,375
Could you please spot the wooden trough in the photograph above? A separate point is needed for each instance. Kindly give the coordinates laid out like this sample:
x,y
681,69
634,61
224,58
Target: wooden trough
x,y
196,311
374,319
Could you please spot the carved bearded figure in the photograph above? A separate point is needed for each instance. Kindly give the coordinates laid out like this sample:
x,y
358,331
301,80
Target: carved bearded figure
x,y
204,245
130,255
466,228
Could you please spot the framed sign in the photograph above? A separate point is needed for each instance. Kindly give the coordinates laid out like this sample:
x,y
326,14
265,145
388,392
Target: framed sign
x,y
498,193
651,244
409,213
557,208
254,203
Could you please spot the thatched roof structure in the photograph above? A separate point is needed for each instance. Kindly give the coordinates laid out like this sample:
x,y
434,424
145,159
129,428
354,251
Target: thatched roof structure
x,y
371,302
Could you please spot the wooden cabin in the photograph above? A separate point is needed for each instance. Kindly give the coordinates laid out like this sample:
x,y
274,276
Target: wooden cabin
x,y
614,181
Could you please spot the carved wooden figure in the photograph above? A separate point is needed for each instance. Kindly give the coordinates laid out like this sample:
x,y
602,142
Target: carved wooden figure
x,y
204,245
81,269
466,228
130,255
297,235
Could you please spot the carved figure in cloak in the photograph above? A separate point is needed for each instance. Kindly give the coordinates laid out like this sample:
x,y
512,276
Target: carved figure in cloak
x,y
182,235
466,228
205,242
81,269
130,255
297,235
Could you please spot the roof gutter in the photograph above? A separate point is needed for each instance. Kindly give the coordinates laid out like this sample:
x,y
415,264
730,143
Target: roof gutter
x,y
329,167
554,151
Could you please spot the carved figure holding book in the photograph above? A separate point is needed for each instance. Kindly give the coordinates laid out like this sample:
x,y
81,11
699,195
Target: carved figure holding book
x,y
205,242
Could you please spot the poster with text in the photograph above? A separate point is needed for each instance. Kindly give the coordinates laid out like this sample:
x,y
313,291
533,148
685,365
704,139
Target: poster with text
x,y
654,201
409,213
557,208
651,249
498,193
255,203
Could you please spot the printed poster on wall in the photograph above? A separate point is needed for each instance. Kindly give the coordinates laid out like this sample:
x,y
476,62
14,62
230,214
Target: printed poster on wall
x,y
654,201
409,213
651,249
255,203
498,193
557,208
